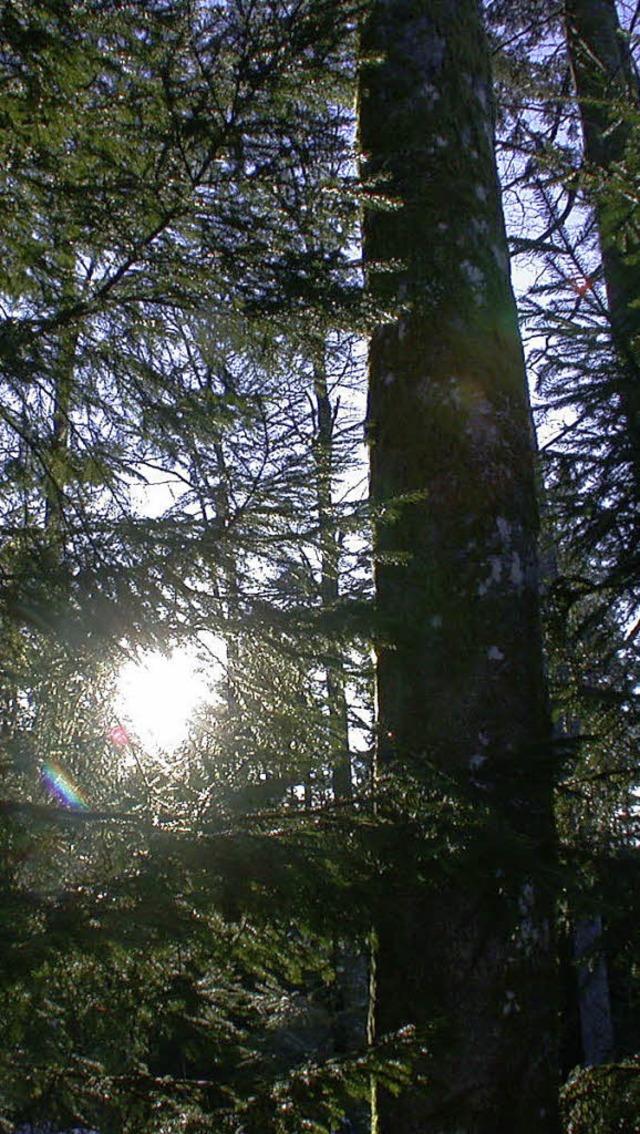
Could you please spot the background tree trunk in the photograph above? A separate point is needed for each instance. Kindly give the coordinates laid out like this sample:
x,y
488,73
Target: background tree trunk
x,y
460,684
338,715
606,86
596,1024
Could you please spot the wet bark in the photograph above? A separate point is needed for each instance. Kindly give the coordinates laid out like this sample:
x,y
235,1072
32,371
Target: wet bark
x,y
464,941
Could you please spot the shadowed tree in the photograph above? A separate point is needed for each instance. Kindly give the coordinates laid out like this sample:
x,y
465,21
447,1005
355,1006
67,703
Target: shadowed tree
x,y
606,82
464,945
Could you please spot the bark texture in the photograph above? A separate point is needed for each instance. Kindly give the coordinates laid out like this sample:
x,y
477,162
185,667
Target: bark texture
x,y
466,946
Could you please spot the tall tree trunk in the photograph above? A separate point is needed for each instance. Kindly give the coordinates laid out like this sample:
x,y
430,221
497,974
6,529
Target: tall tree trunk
x,y
229,592
349,1014
605,80
460,684
338,718
596,1024
64,377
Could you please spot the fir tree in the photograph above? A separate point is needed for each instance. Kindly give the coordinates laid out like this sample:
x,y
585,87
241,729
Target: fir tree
x,y
465,943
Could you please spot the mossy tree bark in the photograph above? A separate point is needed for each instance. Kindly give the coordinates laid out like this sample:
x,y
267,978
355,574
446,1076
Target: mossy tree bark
x,y
464,944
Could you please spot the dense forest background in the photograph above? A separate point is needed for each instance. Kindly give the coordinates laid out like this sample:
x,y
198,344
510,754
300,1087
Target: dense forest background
x,y
248,249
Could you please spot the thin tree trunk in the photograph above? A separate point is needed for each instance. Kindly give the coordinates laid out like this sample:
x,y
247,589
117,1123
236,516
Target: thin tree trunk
x,y
351,966
230,593
58,449
330,589
459,679
596,1024
605,80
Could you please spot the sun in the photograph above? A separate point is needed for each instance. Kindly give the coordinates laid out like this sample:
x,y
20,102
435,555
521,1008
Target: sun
x,y
157,695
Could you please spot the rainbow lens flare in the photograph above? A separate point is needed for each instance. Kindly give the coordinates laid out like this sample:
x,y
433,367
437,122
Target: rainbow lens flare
x,y
60,785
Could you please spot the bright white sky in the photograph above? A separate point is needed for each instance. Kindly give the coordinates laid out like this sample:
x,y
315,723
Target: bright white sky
x,y
156,697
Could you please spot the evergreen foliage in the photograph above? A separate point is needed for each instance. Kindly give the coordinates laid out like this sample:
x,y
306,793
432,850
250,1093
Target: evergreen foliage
x,y
184,939
570,135
178,199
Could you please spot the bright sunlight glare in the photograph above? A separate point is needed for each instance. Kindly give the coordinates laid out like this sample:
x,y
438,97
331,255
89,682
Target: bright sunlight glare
x,y
157,695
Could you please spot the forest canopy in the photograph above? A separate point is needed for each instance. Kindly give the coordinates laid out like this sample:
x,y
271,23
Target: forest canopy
x,y
264,408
